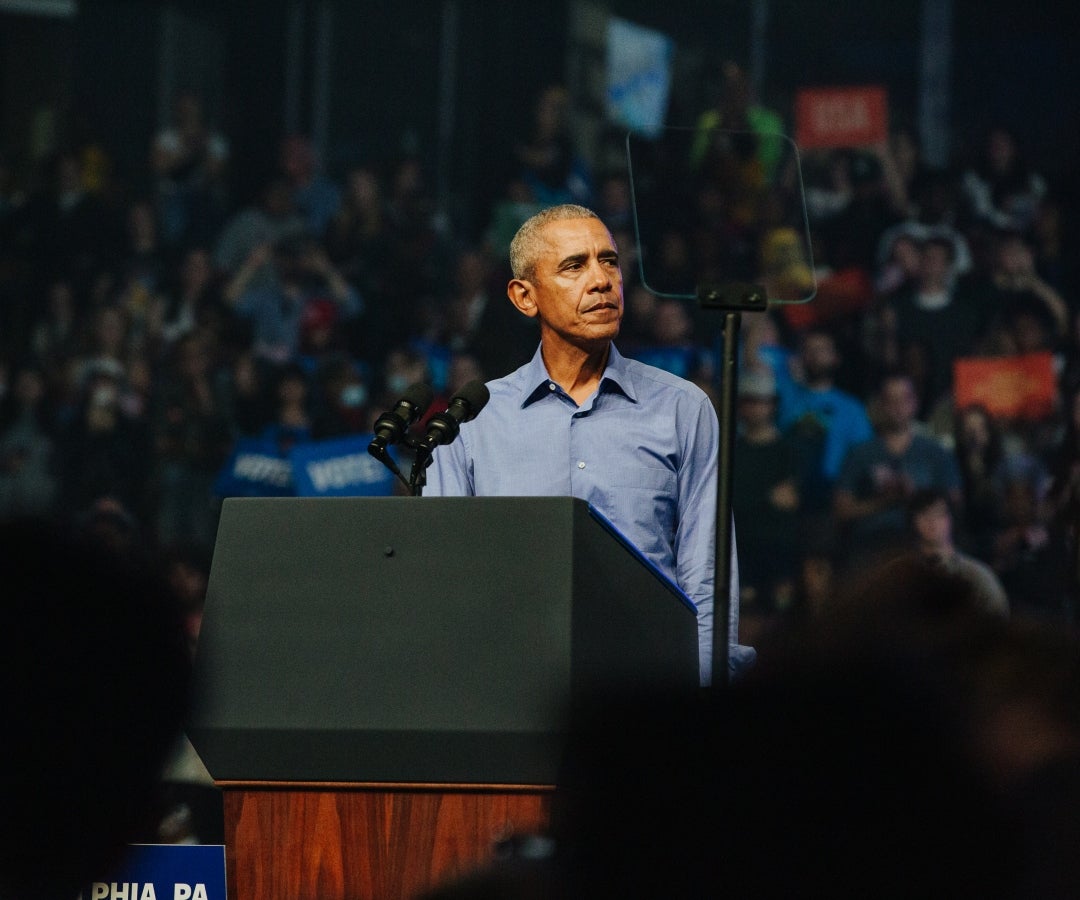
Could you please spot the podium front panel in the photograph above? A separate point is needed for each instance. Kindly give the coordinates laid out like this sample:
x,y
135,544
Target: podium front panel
x,y
413,640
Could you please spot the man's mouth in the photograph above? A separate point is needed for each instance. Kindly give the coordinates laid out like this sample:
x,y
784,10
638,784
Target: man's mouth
x,y
606,304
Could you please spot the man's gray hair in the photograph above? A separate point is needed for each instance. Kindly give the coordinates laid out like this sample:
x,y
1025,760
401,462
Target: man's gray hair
x,y
527,245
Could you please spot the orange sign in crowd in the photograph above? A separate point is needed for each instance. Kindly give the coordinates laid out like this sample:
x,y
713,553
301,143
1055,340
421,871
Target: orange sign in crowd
x,y
1010,387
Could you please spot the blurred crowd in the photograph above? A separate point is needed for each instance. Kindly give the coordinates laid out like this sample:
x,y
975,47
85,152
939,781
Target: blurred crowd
x,y
925,401
149,320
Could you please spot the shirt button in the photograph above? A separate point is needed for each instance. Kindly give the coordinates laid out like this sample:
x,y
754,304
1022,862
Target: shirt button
x,y
551,385
581,464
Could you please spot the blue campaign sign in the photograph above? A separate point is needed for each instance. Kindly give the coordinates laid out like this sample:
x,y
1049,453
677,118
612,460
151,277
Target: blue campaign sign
x,y
165,872
256,468
639,65
339,468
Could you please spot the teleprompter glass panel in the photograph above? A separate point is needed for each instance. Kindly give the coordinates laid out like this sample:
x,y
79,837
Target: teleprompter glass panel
x,y
718,210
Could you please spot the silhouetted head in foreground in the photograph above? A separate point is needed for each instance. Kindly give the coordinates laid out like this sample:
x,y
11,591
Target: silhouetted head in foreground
x,y
846,764
93,692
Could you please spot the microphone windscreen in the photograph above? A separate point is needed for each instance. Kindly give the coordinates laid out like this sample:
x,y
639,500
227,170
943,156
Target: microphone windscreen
x,y
476,395
419,395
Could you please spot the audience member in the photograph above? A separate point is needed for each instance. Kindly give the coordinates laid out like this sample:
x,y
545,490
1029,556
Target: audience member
x,y
144,259
1032,558
28,483
315,195
1029,314
481,322
107,345
65,229
342,399
57,331
737,110
824,421
980,455
904,170
765,502
292,422
191,299
303,274
670,343
879,476
852,233
931,520
189,160
1000,188
508,214
192,438
897,262
416,267
898,255
104,452
1050,238
245,386
272,220
356,237
547,160
1063,495
321,337
932,324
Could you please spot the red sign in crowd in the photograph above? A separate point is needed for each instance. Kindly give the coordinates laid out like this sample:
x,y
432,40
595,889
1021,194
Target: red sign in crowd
x,y
841,117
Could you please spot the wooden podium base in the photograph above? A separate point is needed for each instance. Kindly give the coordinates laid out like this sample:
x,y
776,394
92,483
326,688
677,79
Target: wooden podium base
x,y
321,841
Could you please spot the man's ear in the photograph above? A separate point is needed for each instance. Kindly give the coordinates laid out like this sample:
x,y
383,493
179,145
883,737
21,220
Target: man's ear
x,y
520,293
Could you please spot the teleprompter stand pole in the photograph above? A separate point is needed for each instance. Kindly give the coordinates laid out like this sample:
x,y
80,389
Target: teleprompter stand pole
x,y
732,299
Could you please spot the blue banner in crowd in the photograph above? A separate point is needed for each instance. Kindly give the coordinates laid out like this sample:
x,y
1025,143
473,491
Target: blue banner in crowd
x,y
256,469
339,468
165,872
335,468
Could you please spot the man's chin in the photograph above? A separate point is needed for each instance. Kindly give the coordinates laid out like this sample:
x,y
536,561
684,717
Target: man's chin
x,y
597,339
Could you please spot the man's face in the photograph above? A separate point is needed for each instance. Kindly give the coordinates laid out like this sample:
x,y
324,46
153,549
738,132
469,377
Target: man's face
x,y
898,402
576,287
819,356
933,525
756,411
936,263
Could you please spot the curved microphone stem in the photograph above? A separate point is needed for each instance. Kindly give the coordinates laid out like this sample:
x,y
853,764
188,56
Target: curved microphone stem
x,y
423,458
443,428
382,454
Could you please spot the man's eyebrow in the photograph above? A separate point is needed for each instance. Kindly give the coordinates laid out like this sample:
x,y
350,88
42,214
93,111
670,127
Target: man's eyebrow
x,y
573,258
584,257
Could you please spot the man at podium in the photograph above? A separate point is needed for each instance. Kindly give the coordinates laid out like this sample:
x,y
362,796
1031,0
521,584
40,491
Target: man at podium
x,y
581,420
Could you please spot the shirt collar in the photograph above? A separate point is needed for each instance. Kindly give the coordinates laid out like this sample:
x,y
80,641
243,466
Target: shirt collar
x,y
617,377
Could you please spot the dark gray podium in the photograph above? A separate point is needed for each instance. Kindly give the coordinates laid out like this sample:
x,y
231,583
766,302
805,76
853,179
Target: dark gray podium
x,y
367,665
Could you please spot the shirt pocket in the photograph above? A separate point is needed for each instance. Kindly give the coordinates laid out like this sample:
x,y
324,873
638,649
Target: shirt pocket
x,y
646,499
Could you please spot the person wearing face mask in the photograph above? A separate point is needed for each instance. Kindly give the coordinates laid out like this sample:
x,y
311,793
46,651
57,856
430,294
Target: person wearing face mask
x,y
343,408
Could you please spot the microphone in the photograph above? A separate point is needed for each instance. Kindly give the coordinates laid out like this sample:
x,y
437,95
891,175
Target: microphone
x,y
391,426
464,406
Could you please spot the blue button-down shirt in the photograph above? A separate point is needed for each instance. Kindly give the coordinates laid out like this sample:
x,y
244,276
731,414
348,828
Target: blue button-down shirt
x,y
642,450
